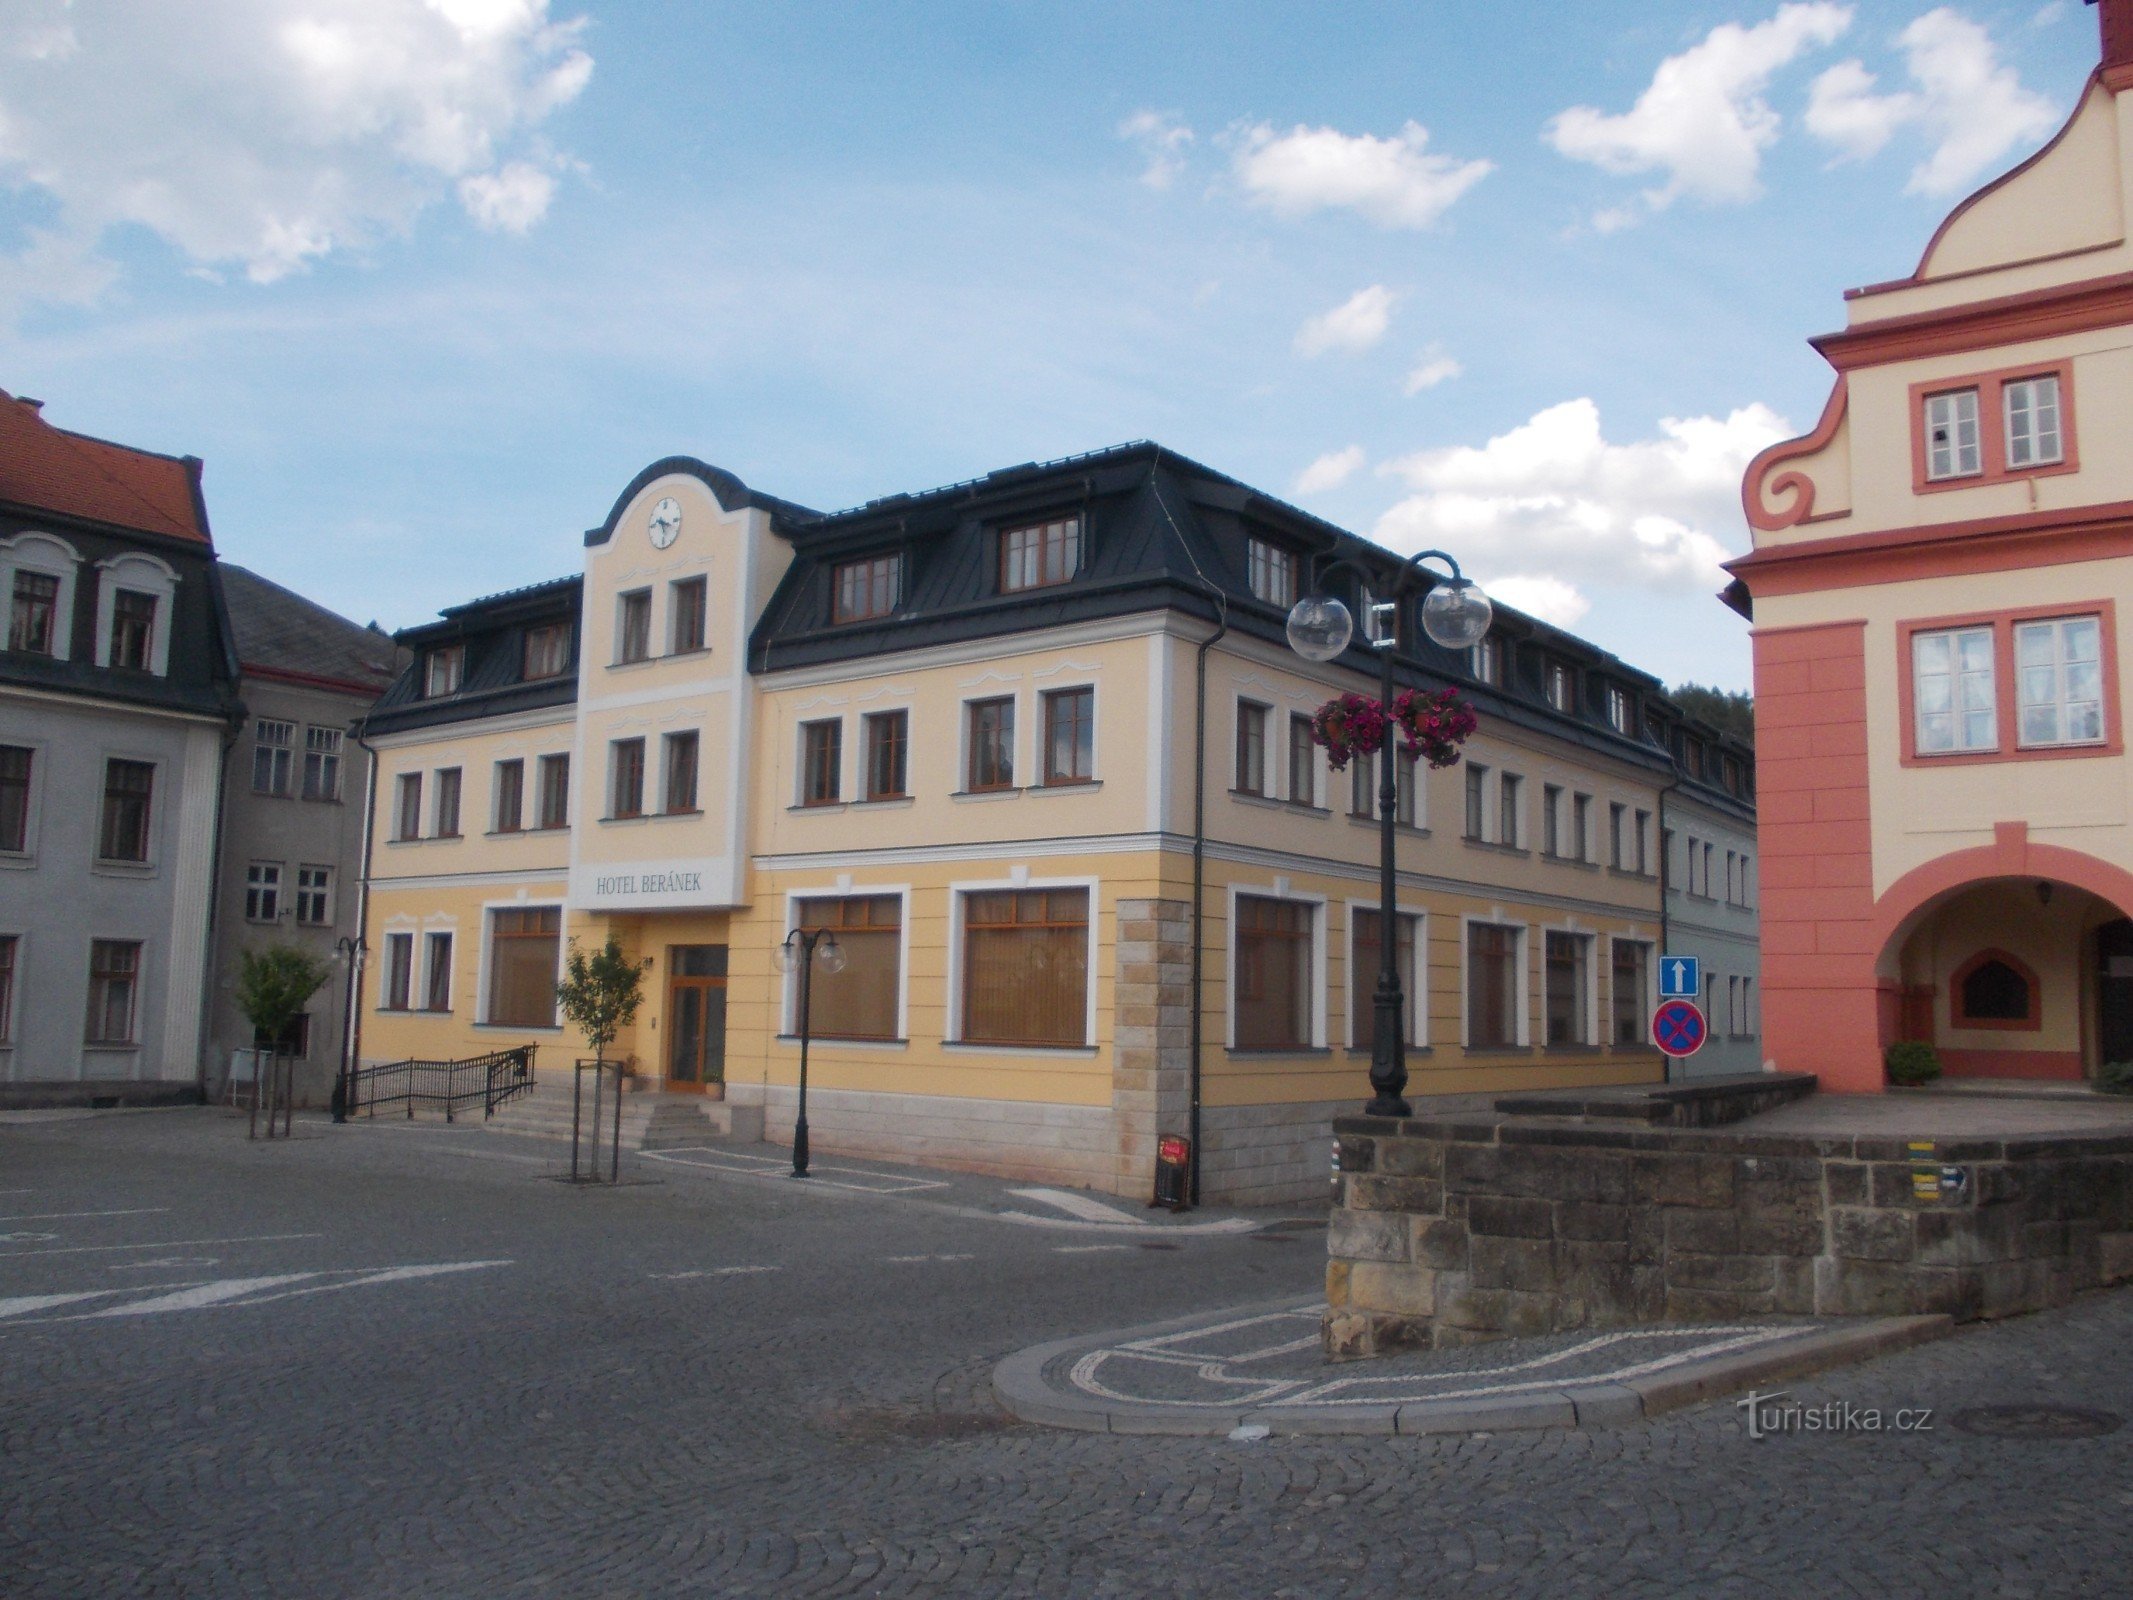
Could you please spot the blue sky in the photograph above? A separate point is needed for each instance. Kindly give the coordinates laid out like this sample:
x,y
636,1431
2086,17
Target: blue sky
x,y
427,281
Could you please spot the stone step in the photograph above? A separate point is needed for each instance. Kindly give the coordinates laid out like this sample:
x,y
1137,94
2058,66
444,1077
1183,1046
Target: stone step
x,y
649,1121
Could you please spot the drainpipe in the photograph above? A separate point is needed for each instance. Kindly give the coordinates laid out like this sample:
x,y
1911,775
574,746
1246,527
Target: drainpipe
x,y
352,1024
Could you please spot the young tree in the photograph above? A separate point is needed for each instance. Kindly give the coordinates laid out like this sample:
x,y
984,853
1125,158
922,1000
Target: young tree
x,y
275,984
600,993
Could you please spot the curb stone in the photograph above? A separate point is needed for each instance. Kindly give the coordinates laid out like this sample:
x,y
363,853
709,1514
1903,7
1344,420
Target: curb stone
x,y
1020,1385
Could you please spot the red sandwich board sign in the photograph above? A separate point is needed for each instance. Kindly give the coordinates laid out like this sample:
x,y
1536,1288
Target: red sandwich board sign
x,y
1678,1028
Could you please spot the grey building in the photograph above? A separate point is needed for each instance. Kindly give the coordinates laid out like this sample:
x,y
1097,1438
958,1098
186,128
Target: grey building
x,y
1708,856
293,802
118,701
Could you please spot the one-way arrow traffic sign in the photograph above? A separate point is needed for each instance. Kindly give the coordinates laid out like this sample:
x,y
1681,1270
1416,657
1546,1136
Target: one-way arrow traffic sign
x,y
1680,977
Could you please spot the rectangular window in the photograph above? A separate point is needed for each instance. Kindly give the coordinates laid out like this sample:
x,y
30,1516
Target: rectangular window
x,y
1510,802
1070,736
633,626
1491,986
1632,967
444,669
1273,573
1747,1007
1953,691
547,653
1363,959
114,990
8,944
888,736
555,792
1251,747
992,745
860,1002
1666,858
679,757
864,589
133,629
1026,967
686,608
15,762
1362,786
1951,435
1039,555
1617,822
34,614
1581,827
1569,976
1477,798
1303,761
447,803
1273,1008
509,788
399,972
262,891
1407,789
273,756
1485,661
1618,709
523,948
129,788
1707,858
1644,841
2059,672
2032,411
1551,819
322,763
407,810
822,762
1732,877
625,778
437,972
1561,687
314,896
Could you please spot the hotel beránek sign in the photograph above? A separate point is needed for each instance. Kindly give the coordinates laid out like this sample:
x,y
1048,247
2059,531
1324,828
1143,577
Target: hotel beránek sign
x,y
650,885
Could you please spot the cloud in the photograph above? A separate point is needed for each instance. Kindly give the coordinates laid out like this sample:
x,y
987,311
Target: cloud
x,y
1538,595
1395,182
1330,470
266,134
1973,108
1351,327
1552,506
1703,121
1162,136
1434,368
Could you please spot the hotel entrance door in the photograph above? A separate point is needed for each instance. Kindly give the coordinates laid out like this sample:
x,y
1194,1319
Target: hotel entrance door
x,y
696,1017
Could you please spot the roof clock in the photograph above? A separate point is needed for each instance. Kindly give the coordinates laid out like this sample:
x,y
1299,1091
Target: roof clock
x,y
665,526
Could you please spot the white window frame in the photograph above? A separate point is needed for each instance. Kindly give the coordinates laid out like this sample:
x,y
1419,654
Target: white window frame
x,y
432,928
842,888
958,892
1522,968
143,574
32,551
2059,702
431,657
262,885
2044,386
1945,410
397,929
651,623
260,742
333,749
323,890
1270,557
1955,676
1276,889
488,939
1414,985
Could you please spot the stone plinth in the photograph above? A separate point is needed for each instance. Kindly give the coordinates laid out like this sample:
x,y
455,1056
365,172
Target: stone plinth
x,y
1484,1226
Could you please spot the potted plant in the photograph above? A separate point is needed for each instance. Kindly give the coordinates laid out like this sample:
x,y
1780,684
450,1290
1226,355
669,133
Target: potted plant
x,y
1432,726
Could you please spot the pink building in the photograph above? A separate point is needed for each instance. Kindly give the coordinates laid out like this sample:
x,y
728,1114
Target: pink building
x,y
1947,851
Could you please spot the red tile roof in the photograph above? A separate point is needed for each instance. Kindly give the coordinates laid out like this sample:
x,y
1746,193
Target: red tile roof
x,y
48,469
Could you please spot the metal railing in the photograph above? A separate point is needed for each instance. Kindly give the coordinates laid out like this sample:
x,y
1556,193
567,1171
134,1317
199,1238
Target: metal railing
x,y
486,1081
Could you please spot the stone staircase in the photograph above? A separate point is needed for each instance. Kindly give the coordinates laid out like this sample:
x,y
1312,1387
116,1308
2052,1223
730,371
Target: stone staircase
x,y
649,1121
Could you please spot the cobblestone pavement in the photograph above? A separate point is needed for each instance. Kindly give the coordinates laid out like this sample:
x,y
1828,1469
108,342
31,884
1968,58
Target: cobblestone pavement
x,y
717,1384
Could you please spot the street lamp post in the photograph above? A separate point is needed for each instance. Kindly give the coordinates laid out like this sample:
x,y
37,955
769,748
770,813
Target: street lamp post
x,y
1456,615
349,948
803,947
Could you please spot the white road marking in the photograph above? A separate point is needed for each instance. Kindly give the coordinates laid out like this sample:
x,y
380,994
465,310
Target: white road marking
x,y
23,1305
748,1166
1029,1219
26,1238
382,1275
1085,1206
55,1216
711,1272
198,1295
905,1261
157,1244
227,1293
1086,1249
162,1262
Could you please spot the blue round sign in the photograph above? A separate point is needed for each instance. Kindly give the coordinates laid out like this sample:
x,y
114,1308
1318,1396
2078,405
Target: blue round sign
x,y
1678,1028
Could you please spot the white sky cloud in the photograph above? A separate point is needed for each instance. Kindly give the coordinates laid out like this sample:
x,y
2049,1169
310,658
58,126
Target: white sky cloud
x,y
1552,507
1433,368
1162,137
1971,106
1396,182
267,133
1703,121
1330,470
1538,595
1351,327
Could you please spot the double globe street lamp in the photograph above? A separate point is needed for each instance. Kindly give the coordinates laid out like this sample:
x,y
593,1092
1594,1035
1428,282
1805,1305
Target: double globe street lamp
x,y
803,950
1456,615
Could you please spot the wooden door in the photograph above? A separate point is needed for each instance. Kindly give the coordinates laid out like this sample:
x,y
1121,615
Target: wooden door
x,y
696,1016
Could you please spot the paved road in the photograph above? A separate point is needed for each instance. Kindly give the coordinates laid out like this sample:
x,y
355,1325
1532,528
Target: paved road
x,y
724,1383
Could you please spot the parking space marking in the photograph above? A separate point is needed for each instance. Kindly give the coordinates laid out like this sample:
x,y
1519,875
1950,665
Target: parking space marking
x,y
746,1166
157,1244
197,1295
227,1293
22,1305
57,1216
1085,1206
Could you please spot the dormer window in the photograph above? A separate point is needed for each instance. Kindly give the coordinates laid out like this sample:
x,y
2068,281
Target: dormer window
x,y
864,589
443,670
1618,709
1485,661
1561,687
547,651
1040,554
133,629
30,624
1273,573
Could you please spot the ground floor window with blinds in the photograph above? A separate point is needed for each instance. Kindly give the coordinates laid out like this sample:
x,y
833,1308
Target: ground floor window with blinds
x,y
1273,1009
1026,967
523,947
861,1002
1363,977
1492,955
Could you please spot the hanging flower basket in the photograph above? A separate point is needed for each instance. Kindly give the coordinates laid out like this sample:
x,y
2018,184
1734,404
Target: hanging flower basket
x,y
1432,726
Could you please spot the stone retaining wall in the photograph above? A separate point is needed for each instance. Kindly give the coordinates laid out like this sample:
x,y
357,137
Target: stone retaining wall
x,y
1460,1229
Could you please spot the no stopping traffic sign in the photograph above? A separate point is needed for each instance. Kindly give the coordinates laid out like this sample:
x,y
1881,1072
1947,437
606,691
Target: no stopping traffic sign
x,y
1678,1028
